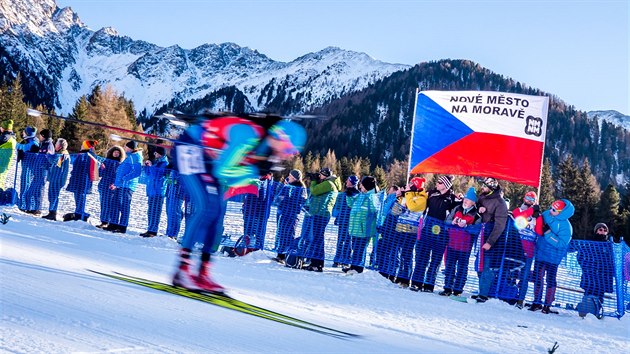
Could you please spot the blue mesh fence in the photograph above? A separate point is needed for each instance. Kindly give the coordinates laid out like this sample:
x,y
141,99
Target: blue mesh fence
x,y
366,230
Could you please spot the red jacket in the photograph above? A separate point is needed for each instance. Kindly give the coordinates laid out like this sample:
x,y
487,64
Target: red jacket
x,y
458,238
535,225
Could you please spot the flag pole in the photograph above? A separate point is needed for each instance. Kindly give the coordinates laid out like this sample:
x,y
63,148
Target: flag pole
x,y
413,124
542,155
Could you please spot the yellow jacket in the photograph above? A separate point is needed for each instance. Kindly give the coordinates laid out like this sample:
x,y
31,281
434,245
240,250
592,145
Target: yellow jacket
x,y
416,201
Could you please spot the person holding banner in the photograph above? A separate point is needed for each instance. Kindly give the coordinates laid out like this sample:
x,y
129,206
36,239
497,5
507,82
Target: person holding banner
x,y
493,211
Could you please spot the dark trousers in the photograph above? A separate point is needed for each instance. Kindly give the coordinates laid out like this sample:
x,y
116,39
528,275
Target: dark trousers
x,y
205,224
429,251
456,272
108,205
551,270
79,204
122,207
154,212
386,253
344,244
174,215
359,247
286,232
54,189
316,249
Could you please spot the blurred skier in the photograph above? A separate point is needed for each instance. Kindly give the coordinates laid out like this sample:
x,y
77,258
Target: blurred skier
x,y
213,154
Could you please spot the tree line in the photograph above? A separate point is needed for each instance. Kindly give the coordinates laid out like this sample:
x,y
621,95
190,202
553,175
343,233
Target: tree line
x,y
570,179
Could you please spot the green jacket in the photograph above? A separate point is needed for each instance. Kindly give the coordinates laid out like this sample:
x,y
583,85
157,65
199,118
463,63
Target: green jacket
x,y
7,152
363,214
324,196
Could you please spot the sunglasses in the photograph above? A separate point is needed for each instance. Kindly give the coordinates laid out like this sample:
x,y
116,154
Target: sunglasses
x,y
530,199
555,210
438,182
601,229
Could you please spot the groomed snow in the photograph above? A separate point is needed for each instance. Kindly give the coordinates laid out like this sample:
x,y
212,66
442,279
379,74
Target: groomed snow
x,y
50,303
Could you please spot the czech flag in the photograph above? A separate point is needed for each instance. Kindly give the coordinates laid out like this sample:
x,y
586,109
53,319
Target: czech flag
x,y
479,133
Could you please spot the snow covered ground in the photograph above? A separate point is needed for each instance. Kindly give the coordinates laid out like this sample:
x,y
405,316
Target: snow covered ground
x,y
50,303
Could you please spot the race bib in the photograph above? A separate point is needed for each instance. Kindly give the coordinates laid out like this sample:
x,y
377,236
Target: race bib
x,y
190,160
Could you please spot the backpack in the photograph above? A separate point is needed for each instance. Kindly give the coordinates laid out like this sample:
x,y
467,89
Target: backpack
x,y
293,258
241,247
590,304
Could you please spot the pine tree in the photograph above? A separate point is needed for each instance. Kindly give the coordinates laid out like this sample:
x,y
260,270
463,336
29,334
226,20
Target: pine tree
x,y
547,186
397,174
381,177
346,167
13,106
568,179
585,202
609,210
330,161
74,132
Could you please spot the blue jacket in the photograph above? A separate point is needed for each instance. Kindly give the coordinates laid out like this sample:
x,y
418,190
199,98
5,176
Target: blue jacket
x,y
129,171
553,245
108,175
156,177
60,169
363,213
290,199
80,181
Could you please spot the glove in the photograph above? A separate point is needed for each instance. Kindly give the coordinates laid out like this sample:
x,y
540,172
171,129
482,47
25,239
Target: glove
x,y
536,212
545,228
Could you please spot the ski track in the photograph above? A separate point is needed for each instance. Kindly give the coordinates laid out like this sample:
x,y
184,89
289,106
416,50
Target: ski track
x,y
55,305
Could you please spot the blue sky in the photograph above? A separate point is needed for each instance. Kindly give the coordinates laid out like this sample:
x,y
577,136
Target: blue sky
x,y
577,50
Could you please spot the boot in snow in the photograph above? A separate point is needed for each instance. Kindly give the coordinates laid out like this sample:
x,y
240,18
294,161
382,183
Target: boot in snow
x,y
205,281
52,215
183,276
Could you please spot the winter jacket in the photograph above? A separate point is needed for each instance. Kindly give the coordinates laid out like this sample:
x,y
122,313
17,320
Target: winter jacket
x,y
7,152
440,205
60,168
530,233
259,205
323,196
416,201
496,213
363,213
459,238
27,145
341,211
80,181
598,266
129,171
553,245
156,177
290,199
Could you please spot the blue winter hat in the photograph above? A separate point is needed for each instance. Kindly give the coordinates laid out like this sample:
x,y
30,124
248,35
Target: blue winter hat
x,y
353,180
30,132
471,194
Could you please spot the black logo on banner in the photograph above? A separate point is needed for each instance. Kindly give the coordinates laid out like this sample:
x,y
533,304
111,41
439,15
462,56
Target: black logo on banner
x,y
533,126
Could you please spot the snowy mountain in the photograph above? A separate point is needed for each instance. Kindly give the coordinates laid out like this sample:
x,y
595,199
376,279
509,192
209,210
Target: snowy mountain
x,y
62,59
612,117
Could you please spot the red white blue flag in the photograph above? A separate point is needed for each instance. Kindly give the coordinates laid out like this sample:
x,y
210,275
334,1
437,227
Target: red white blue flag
x,y
479,133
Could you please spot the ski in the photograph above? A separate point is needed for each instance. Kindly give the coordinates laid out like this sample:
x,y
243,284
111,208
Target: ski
x,y
228,302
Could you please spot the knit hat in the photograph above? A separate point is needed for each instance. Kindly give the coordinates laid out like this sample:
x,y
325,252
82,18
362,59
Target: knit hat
x,y
446,181
326,172
63,143
600,225
491,183
7,124
30,132
354,180
530,196
558,205
368,182
297,174
418,182
160,150
132,145
471,194
88,144
46,134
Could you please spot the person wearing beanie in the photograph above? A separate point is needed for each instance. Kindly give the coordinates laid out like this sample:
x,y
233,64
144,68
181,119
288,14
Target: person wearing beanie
x,y
529,223
7,150
85,170
27,155
57,177
114,156
363,213
494,213
434,237
289,202
42,161
460,243
324,191
596,258
256,212
551,248
155,177
341,213
127,179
